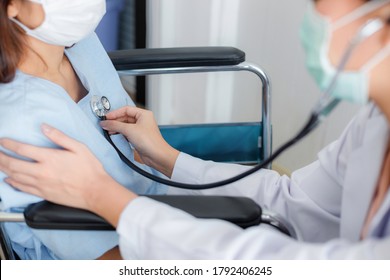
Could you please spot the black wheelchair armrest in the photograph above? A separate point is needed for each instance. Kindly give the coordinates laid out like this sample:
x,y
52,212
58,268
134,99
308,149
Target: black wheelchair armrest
x,y
47,215
176,57
241,211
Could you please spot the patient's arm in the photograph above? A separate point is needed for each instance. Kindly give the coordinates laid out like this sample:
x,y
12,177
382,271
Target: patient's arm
x,y
112,254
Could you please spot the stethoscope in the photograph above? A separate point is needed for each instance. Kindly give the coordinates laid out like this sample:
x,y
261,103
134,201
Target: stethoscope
x,y
101,106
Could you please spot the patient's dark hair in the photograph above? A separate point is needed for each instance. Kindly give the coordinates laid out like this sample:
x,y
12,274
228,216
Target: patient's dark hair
x,y
12,43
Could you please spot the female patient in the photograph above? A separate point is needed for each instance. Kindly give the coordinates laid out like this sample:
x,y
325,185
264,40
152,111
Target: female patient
x,y
51,65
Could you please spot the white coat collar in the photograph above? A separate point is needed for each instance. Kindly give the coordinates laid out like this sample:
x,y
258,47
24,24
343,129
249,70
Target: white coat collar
x,y
362,172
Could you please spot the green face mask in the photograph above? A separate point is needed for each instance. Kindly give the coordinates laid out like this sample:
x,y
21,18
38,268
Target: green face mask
x,y
316,32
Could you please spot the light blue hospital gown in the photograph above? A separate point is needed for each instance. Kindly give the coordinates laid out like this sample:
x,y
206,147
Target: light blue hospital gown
x,y
27,102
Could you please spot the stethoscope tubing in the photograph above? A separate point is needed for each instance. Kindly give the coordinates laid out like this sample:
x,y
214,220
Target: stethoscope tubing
x,y
311,124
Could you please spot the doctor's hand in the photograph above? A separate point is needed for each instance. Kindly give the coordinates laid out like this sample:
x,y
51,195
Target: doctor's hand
x,y
141,130
71,176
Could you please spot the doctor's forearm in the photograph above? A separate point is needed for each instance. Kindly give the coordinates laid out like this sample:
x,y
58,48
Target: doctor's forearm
x,y
164,160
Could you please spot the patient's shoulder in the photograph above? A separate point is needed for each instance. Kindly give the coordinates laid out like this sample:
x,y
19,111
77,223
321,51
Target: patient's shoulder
x,y
25,87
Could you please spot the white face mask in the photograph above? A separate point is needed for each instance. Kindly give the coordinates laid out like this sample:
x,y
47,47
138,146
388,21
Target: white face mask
x,y
66,21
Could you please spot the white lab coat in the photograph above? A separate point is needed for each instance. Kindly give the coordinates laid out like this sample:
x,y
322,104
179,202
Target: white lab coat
x,y
327,203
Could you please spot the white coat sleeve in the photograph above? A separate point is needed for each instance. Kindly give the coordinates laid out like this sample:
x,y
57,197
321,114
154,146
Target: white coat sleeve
x,y
311,199
310,191
152,230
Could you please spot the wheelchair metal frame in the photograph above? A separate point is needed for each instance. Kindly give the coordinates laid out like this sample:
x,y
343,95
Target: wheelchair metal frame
x,y
266,137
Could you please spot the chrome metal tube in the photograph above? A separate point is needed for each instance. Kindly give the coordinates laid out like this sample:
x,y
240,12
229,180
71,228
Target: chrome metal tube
x,y
11,217
266,140
277,221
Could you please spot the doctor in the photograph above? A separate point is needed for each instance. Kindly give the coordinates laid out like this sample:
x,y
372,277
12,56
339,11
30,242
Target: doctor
x,y
339,205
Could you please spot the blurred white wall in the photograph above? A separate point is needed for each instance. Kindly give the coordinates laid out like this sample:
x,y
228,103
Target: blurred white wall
x,y
268,32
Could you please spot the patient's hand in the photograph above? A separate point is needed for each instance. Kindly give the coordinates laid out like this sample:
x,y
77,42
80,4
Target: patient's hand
x,y
141,130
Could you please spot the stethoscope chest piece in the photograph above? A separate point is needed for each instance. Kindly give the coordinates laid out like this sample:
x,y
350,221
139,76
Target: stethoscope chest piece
x,y
100,106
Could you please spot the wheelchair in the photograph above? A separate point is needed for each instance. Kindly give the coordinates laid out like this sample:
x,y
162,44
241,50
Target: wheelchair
x,y
205,141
